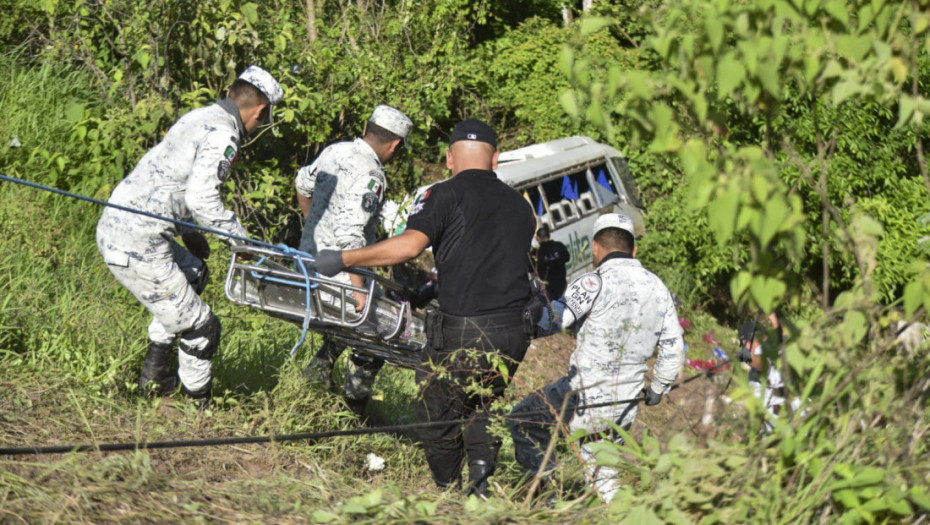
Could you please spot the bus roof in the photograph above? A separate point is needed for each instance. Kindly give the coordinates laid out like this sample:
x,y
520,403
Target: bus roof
x,y
522,165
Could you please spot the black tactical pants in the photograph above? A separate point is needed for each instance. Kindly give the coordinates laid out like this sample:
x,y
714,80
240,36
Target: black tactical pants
x,y
470,352
532,420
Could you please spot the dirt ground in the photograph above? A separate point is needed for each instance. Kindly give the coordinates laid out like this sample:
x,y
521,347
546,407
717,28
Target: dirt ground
x,y
683,409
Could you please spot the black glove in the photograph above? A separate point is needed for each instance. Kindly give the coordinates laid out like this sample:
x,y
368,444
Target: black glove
x,y
652,397
744,355
329,262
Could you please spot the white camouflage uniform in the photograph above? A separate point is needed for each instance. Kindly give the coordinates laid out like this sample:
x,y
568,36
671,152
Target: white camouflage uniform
x,y
179,178
622,314
771,395
631,316
347,184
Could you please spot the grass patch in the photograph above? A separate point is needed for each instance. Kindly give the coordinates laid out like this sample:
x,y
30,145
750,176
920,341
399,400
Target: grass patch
x,y
46,101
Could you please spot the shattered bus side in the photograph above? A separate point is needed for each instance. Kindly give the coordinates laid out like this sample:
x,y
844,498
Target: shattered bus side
x,y
569,183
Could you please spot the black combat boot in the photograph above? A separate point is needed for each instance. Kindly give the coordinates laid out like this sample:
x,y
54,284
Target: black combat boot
x,y
478,473
320,369
203,395
454,484
157,378
357,406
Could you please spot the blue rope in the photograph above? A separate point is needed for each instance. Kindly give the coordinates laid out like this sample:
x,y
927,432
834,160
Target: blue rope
x,y
300,264
139,212
306,285
284,249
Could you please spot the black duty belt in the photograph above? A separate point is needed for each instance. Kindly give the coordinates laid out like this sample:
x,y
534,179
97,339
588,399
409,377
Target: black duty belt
x,y
510,317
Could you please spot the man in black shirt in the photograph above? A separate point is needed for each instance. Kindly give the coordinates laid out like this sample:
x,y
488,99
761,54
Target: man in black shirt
x,y
551,258
480,230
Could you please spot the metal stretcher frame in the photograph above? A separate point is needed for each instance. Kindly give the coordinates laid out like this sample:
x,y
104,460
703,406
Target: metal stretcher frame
x,y
273,282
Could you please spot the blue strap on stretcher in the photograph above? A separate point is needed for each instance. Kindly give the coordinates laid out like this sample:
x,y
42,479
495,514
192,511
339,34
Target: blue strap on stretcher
x,y
297,255
307,286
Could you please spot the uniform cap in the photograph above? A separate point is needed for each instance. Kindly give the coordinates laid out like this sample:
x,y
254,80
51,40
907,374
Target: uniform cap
x,y
614,220
265,83
393,120
473,129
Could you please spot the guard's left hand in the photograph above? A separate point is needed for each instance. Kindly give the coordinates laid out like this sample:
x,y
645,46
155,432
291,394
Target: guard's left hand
x,y
652,397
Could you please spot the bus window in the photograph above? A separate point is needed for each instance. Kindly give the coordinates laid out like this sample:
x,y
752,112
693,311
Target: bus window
x,y
626,177
569,197
553,190
604,185
533,195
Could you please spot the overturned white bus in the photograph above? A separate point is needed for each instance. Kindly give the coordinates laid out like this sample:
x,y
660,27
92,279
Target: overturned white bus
x,y
569,182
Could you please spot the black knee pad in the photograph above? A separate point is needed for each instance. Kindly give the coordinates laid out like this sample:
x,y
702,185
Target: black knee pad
x,y
209,331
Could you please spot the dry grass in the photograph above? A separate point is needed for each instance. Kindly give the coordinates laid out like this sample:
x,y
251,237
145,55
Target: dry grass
x,y
278,483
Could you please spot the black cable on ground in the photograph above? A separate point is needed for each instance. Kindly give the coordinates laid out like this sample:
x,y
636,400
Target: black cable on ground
x,y
153,445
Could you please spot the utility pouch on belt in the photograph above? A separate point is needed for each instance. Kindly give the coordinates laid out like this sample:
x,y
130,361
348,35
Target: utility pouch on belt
x,y
434,327
532,314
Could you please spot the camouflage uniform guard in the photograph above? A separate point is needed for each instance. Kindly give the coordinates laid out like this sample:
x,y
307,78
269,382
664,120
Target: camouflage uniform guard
x,y
341,194
179,178
622,313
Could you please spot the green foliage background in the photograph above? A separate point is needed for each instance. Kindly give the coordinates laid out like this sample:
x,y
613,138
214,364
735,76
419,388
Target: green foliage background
x,y
777,145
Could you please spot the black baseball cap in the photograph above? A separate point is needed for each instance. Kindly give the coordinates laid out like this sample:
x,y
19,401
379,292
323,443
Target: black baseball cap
x,y
473,129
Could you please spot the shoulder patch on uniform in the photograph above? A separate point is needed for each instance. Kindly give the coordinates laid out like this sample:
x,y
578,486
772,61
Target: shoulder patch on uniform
x,y
581,293
375,186
591,282
369,202
230,154
418,204
223,170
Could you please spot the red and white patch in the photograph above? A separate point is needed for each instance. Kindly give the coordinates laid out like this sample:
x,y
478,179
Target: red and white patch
x,y
590,283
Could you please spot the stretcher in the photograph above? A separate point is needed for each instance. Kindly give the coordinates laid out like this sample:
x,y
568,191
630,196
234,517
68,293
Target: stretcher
x,y
275,282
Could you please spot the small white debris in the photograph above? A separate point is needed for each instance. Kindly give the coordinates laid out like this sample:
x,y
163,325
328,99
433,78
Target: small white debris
x,y
15,143
375,462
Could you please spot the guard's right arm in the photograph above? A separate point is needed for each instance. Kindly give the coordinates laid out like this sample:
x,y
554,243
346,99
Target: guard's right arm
x,y
202,195
671,350
305,204
562,254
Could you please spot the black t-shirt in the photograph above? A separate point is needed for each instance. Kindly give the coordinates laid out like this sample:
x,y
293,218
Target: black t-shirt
x,y
550,264
480,230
